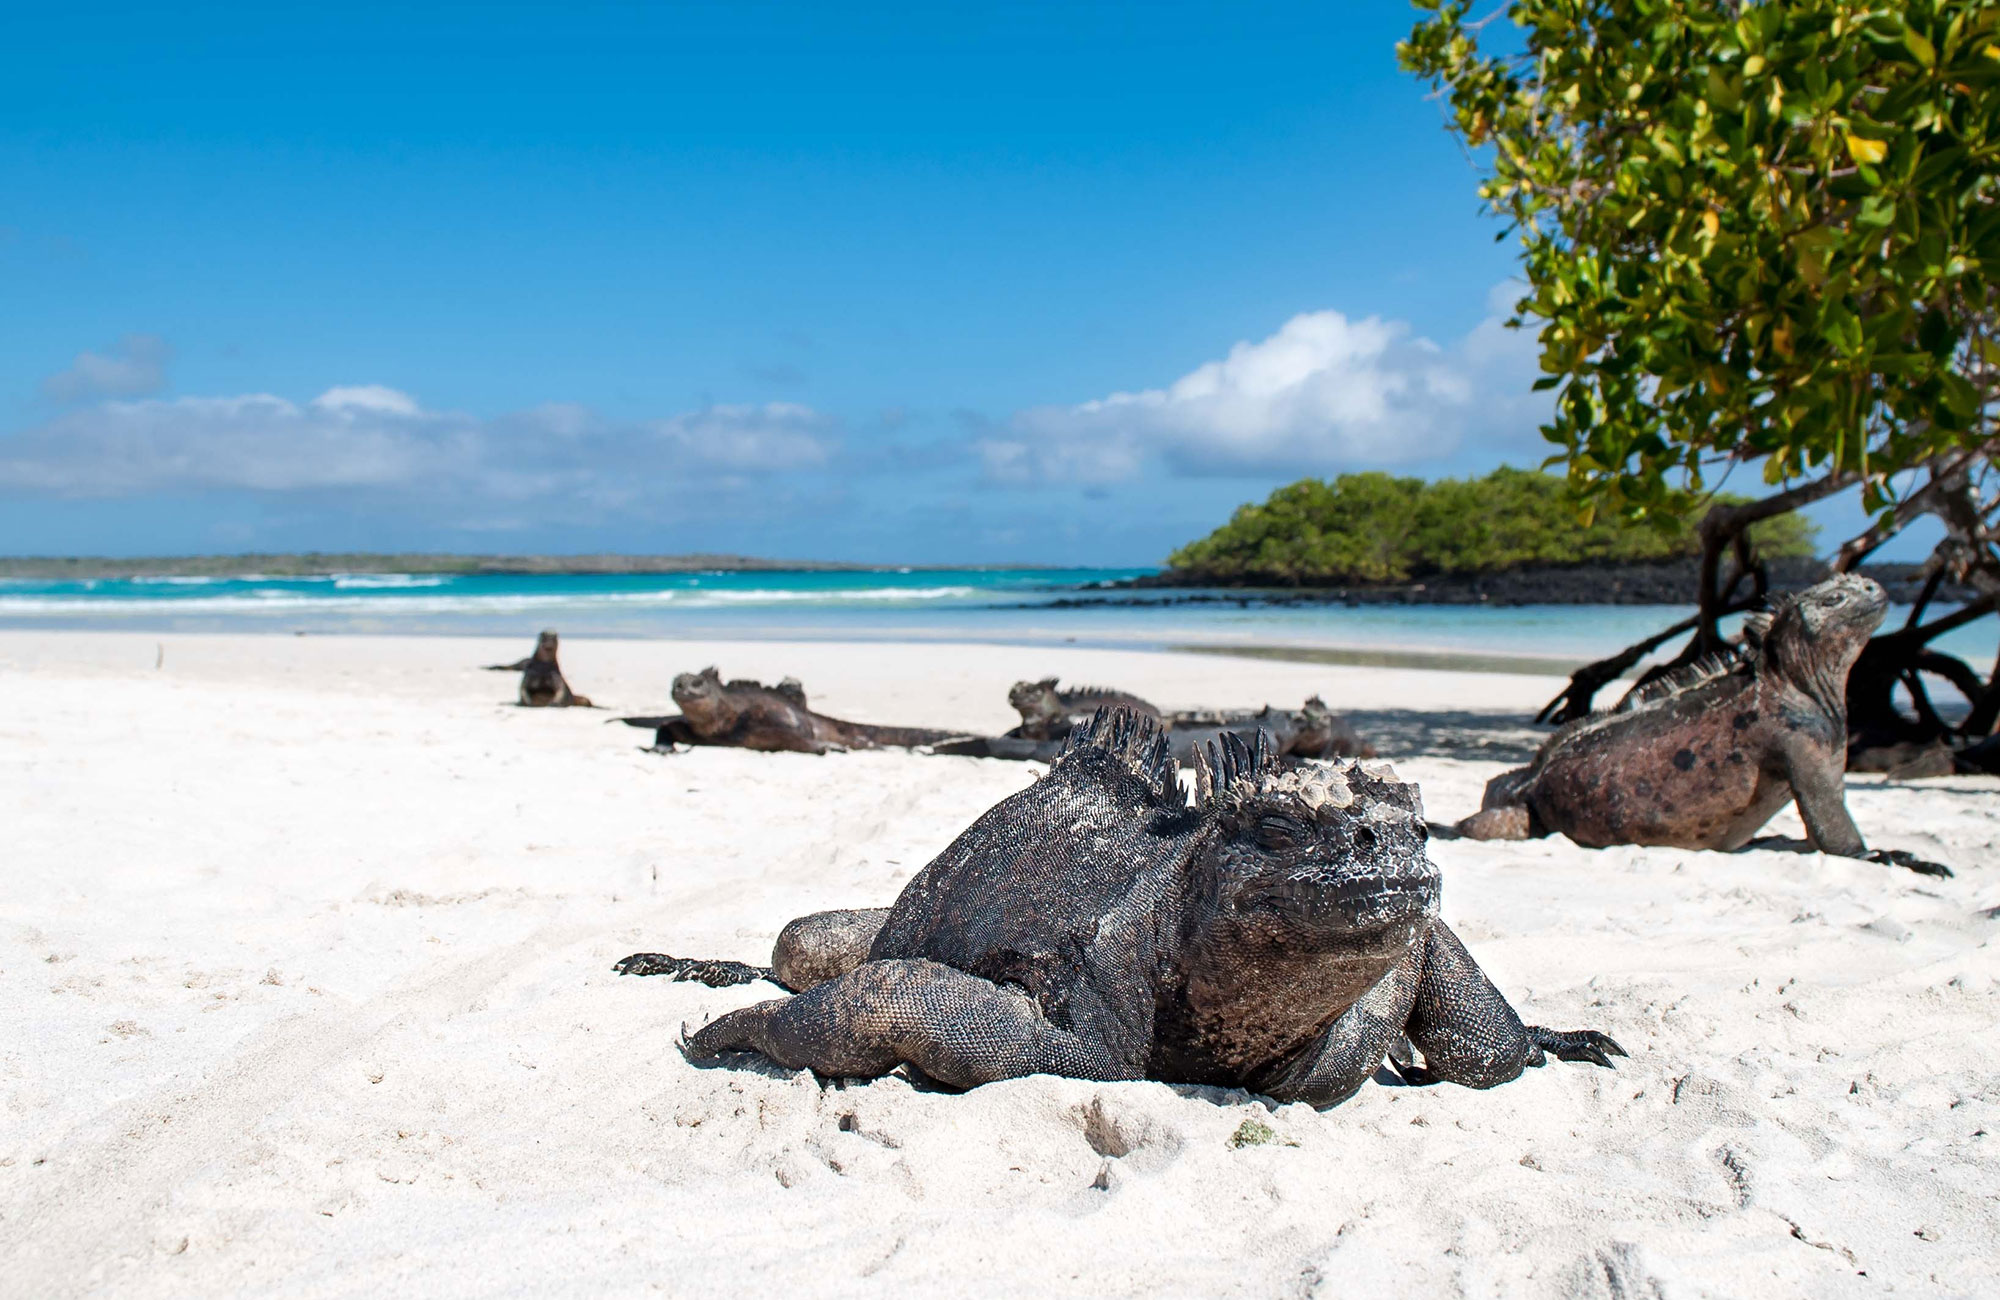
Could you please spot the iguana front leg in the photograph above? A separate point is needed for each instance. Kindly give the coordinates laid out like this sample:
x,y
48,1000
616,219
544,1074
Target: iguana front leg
x,y
1468,1032
958,1029
1819,786
1348,1053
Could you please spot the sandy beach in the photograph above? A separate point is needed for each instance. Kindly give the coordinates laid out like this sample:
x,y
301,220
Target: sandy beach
x,y
305,990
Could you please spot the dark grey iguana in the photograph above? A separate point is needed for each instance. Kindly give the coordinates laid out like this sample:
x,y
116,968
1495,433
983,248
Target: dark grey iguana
x,y
1048,711
1279,935
1704,759
542,683
751,715
1312,731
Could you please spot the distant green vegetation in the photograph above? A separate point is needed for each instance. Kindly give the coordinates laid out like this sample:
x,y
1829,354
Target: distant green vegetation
x,y
1369,528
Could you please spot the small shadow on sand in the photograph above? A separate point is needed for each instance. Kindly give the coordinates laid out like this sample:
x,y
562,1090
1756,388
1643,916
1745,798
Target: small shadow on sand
x,y
1449,733
1920,786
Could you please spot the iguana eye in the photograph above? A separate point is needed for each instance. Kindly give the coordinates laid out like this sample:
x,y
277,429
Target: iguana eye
x,y
1279,833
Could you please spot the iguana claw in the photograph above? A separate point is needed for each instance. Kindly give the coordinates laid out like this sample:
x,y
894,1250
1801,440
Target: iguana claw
x,y
1576,1045
1904,858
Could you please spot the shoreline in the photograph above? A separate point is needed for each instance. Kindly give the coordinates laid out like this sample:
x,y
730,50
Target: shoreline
x,y
1416,658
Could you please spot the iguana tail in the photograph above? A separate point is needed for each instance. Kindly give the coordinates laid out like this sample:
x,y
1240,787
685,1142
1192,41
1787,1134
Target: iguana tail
x,y
715,974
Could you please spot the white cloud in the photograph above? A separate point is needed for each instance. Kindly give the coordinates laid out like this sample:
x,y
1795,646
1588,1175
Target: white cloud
x,y
136,367
774,436
376,439
367,399
1324,392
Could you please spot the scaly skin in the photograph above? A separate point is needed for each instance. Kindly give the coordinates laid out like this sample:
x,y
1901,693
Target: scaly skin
x,y
1280,935
1704,764
542,683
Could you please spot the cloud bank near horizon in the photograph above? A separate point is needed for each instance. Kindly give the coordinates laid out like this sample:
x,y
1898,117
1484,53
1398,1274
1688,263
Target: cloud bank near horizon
x,y
369,438
1325,392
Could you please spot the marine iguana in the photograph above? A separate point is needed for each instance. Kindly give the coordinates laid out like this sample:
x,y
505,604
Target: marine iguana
x,y
542,683
1702,759
1048,713
1281,935
751,715
1312,731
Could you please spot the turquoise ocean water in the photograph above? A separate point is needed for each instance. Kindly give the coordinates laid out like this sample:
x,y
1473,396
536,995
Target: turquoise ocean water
x,y
1011,605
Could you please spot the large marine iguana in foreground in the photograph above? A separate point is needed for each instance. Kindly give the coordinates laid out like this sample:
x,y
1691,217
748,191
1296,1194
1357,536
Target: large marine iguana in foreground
x,y
1280,935
751,715
1703,760
542,682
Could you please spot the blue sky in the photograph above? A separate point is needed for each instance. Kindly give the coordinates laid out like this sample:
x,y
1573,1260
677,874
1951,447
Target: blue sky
x,y
921,283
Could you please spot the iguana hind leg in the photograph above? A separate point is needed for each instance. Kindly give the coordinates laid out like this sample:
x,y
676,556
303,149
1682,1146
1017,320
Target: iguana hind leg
x,y
825,945
1503,812
1513,823
809,951
1468,1032
958,1029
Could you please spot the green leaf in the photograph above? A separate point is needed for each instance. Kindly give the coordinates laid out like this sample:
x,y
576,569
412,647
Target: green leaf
x,y
1758,232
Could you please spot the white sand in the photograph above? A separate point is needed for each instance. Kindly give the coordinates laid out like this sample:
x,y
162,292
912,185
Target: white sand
x,y
305,991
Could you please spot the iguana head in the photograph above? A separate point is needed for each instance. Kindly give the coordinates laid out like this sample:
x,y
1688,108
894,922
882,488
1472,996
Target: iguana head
x,y
1322,733
1037,702
1315,728
704,700
1814,637
1326,857
1313,885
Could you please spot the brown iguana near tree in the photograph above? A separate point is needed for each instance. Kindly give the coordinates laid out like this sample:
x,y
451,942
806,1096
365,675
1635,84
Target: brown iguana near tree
x,y
751,715
1702,759
1280,935
542,683
1048,712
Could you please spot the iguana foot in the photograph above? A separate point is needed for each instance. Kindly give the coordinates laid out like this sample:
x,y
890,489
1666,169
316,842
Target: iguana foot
x,y
1509,823
715,974
1901,858
1576,1045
